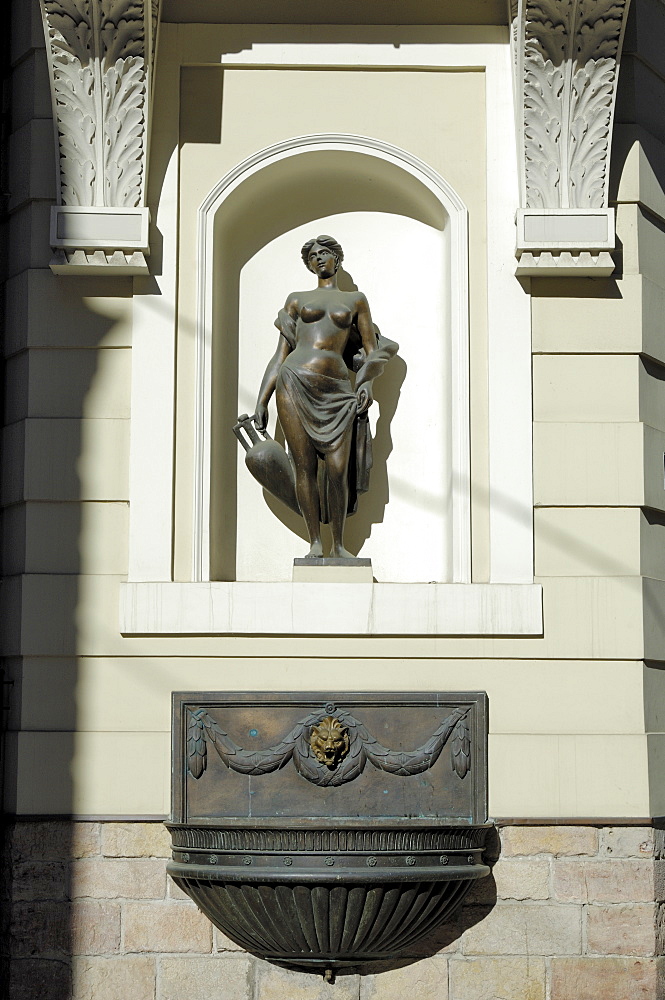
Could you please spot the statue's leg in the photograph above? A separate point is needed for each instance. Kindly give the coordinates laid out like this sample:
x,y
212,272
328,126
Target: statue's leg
x,y
305,460
337,466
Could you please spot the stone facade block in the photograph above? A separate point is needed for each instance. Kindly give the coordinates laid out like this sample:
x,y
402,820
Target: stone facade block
x,y
605,979
522,879
617,881
426,980
33,880
39,930
114,978
204,978
85,839
627,842
659,880
53,840
557,840
523,929
512,879
37,977
85,927
174,891
166,927
220,941
622,929
272,983
94,927
489,978
136,840
103,878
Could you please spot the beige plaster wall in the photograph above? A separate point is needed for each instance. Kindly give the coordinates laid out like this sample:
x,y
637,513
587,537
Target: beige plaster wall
x,y
261,106
575,725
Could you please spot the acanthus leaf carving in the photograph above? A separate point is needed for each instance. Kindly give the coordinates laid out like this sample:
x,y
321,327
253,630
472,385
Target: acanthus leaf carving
x,y
569,73
70,33
591,100
542,135
124,96
99,68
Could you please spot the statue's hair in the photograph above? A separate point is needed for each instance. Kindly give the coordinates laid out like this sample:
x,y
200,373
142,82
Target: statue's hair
x,y
324,241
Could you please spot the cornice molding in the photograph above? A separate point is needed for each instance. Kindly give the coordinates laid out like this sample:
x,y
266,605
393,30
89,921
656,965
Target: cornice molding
x,y
100,56
567,56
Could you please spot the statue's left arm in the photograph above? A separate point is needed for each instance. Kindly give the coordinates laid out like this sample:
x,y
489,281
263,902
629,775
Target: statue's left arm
x,y
378,350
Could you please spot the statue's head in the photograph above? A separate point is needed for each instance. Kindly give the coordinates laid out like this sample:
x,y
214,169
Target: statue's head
x,y
321,242
329,741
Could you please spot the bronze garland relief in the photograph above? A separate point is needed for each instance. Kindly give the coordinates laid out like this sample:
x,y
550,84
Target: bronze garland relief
x,y
328,747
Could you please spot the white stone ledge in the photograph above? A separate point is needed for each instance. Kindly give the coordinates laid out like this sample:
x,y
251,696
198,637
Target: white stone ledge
x,y
564,264
77,262
331,609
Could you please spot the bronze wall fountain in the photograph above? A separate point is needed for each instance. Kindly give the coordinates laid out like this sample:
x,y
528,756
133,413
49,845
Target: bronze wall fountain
x,y
329,833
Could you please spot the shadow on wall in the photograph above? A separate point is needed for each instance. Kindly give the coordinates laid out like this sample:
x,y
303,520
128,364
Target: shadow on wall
x,y
54,344
480,900
278,199
62,338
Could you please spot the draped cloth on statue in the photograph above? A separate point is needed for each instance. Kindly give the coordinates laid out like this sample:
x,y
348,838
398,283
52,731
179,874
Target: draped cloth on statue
x,y
326,407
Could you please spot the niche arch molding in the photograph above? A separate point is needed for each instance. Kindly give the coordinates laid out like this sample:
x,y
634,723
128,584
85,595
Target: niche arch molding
x,y
456,281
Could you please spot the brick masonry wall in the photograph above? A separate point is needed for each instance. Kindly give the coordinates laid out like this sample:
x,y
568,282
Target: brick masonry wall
x,y
569,913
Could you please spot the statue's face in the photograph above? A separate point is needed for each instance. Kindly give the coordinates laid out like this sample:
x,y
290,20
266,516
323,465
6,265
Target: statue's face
x,y
329,741
322,261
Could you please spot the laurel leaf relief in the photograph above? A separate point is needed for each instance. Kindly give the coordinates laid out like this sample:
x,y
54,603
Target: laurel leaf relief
x,y
363,748
460,749
197,751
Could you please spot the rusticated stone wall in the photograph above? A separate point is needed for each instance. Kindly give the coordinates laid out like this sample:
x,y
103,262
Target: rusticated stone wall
x,y
569,913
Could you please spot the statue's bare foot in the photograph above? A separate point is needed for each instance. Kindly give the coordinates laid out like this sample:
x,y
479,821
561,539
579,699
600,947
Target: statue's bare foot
x,y
339,552
316,551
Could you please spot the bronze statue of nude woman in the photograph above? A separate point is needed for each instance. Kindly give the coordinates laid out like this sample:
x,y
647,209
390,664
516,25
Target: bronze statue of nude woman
x,y
323,332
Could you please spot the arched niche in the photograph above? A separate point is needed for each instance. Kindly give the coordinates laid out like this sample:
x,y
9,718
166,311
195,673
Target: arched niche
x,y
404,231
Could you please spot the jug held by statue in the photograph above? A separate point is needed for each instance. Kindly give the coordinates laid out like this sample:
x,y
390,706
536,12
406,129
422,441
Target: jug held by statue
x,y
267,461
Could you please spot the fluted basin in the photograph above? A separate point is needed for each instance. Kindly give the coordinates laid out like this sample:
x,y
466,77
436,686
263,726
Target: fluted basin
x,y
330,901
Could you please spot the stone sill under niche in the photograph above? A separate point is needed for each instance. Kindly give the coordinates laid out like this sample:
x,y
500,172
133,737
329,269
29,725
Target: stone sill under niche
x,y
371,609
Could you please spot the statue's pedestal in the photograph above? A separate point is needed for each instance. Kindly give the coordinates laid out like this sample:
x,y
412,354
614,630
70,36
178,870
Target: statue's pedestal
x,y
332,571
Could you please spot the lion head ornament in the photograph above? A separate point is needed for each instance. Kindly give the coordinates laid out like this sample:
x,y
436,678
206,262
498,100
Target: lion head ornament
x,y
329,741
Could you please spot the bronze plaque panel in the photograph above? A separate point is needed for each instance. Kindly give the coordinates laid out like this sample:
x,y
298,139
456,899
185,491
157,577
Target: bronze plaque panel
x,y
258,757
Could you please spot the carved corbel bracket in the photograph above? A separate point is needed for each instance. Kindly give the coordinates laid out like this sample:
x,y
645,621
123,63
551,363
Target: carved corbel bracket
x,y
101,58
566,67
